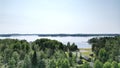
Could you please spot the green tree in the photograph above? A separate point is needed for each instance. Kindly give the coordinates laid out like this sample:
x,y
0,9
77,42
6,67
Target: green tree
x,y
70,54
16,57
12,63
68,46
7,54
66,63
118,65
98,64
107,65
27,62
20,64
103,55
114,64
63,63
34,59
41,64
49,52
52,63
73,47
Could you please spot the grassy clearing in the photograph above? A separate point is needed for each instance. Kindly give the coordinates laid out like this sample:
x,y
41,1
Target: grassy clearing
x,y
85,51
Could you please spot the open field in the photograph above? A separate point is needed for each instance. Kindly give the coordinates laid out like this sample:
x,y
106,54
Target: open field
x,y
85,51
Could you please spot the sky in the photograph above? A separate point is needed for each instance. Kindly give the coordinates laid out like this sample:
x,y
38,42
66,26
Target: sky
x,y
59,16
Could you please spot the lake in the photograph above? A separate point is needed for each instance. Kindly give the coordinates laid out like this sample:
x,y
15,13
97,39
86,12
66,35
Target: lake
x,y
81,42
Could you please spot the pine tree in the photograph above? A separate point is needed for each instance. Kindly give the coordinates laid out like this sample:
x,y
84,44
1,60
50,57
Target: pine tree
x,y
34,59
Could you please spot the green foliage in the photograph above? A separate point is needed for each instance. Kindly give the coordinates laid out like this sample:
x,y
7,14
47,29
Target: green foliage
x,y
118,65
41,53
111,46
63,63
27,62
49,52
34,59
52,64
107,65
114,64
71,47
86,65
98,64
102,55
46,53
47,43
21,64
41,64
12,63
15,56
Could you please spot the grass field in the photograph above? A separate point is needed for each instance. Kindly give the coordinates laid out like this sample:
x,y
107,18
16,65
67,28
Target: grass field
x,y
85,51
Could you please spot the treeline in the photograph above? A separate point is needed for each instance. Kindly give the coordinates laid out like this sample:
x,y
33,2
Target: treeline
x,y
106,51
41,53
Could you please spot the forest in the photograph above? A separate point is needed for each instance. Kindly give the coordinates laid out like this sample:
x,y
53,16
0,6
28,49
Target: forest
x,y
47,53
41,53
106,52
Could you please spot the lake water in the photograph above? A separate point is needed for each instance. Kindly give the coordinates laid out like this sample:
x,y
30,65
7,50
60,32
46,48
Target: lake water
x,y
81,42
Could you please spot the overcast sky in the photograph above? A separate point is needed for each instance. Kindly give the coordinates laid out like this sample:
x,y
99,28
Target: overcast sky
x,y
59,16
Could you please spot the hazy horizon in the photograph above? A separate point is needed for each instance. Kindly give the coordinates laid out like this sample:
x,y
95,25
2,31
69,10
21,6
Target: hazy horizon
x,y
60,16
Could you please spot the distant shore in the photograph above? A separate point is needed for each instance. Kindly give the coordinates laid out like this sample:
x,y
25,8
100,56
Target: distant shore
x,y
58,35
